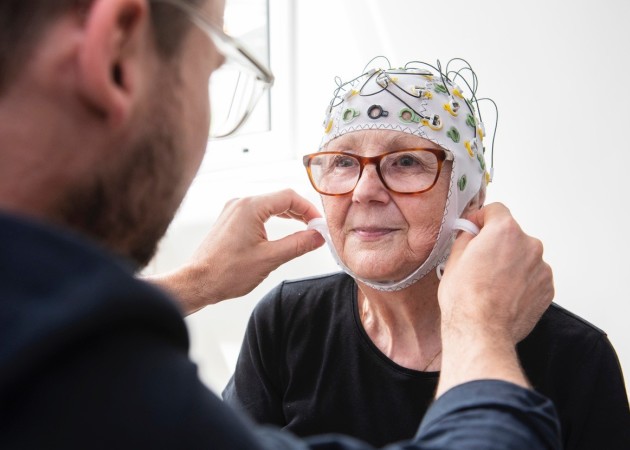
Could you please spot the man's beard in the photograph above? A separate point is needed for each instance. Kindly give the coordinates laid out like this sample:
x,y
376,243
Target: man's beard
x,y
128,204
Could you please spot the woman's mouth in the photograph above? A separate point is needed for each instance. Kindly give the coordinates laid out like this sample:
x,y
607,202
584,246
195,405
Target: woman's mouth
x,y
372,233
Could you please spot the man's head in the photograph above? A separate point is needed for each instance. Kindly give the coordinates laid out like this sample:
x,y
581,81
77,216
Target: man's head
x,y
22,23
103,114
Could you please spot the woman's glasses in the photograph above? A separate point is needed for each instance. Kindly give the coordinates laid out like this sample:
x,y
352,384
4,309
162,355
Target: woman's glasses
x,y
408,171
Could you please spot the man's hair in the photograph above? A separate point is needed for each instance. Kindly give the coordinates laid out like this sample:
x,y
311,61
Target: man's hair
x,y
22,23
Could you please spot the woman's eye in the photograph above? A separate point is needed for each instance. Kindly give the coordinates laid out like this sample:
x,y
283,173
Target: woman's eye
x,y
344,161
406,161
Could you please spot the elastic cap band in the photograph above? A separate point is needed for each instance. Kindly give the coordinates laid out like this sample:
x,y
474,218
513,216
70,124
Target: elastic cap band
x,y
466,225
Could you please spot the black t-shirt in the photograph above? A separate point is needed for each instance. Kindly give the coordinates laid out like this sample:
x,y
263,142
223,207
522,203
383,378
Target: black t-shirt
x,y
92,358
307,364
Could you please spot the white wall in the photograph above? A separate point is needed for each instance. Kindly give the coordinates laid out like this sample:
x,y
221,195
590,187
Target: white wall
x,y
558,71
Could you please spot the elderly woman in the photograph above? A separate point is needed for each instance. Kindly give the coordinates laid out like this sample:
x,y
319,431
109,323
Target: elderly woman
x,y
401,164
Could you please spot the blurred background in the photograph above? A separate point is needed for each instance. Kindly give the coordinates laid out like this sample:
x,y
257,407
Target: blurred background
x,y
557,70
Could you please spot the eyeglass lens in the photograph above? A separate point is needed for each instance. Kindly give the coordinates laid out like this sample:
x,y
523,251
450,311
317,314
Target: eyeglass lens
x,y
233,95
406,171
236,87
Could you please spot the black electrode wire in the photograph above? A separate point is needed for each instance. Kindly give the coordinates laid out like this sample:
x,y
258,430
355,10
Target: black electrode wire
x,y
405,103
472,92
473,89
445,77
438,69
496,124
385,88
389,64
458,74
343,86
374,74
467,66
439,64
422,64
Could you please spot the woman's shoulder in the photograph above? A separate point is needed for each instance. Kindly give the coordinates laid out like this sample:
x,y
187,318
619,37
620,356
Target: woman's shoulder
x,y
563,335
563,324
316,294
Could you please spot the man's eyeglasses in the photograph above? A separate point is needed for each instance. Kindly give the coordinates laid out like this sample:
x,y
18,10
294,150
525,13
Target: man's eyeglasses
x,y
237,86
408,171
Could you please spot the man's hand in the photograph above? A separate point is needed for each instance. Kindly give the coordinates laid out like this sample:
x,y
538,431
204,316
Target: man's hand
x,y
236,256
494,289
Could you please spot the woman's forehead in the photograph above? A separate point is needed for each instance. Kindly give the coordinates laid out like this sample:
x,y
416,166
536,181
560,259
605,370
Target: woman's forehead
x,y
379,139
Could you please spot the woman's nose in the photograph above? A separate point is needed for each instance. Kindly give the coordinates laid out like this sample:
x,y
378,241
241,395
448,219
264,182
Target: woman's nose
x,y
370,187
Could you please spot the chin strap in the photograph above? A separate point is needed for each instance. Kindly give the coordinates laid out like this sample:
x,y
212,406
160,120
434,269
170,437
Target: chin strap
x,y
321,226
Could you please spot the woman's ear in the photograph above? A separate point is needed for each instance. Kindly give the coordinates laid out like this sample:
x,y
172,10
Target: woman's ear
x,y
110,60
476,202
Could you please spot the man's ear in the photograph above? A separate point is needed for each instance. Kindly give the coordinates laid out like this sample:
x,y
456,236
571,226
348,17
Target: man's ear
x,y
110,56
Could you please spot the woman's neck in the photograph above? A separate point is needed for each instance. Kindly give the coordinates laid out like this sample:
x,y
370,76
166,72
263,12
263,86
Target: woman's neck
x,y
404,325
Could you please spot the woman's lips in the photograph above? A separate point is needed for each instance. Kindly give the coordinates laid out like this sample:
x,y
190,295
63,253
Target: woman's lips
x,y
372,233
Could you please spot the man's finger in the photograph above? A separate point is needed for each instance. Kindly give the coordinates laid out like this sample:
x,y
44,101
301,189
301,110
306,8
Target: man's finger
x,y
286,203
460,244
294,245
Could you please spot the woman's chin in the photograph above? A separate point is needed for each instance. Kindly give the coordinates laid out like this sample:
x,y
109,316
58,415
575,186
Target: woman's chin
x,y
370,273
